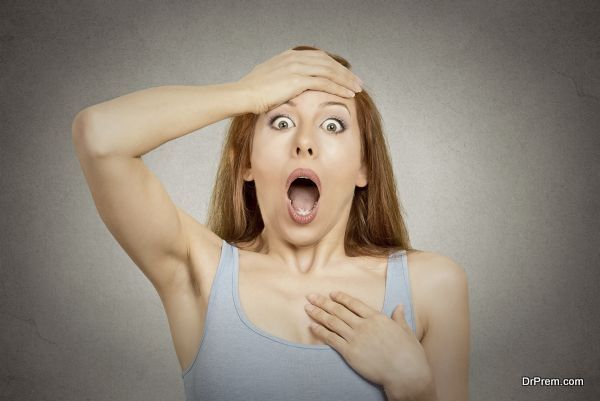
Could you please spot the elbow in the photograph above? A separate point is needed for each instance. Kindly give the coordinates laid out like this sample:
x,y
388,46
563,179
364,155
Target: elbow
x,y
85,135
80,121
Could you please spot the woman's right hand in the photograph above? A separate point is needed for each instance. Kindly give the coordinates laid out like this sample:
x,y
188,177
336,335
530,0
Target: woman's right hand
x,y
290,73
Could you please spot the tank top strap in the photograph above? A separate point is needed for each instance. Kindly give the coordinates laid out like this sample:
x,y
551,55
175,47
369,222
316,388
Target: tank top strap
x,y
221,310
225,267
398,289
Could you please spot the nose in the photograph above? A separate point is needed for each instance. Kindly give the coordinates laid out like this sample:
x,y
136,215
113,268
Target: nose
x,y
304,150
305,146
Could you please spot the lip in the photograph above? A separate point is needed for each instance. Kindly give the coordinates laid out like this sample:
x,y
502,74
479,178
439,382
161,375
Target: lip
x,y
302,219
303,172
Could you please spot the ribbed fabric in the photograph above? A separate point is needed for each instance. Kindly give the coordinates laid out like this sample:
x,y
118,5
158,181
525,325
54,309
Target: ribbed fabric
x,y
238,361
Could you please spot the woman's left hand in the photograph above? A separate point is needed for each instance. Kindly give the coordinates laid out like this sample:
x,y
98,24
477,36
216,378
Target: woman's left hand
x,y
382,350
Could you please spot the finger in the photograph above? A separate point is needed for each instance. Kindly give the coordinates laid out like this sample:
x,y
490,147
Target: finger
x,y
331,321
326,71
355,305
330,338
324,85
319,57
399,317
335,309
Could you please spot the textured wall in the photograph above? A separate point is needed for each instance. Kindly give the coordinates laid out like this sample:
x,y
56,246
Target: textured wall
x,y
492,111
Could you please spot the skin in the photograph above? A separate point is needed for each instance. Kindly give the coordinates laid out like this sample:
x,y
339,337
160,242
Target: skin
x,y
180,256
430,366
308,140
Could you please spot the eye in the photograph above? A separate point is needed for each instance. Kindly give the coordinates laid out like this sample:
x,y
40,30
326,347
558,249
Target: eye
x,y
338,121
283,120
330,124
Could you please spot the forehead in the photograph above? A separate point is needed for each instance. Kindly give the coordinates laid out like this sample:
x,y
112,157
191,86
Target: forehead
x,y
312,100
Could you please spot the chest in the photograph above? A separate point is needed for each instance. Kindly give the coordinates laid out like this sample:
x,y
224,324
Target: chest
x,y
272,299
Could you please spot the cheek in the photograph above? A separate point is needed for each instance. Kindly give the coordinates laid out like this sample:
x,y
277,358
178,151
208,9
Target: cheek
x,y
266,162
345,154
268,153
259,152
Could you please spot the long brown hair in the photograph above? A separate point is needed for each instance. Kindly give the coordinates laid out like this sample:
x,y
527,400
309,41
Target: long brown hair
x,y
375,224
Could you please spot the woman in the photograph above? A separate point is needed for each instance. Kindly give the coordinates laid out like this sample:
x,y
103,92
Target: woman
x,y
304,203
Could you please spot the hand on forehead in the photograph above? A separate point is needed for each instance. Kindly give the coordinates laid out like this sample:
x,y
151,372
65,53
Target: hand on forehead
x,y
312,101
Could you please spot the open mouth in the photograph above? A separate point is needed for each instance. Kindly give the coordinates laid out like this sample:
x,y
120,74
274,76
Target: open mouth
x,y
304,195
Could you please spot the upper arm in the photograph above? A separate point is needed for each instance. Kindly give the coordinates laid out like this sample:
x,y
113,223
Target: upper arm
x,y
135,208
446,342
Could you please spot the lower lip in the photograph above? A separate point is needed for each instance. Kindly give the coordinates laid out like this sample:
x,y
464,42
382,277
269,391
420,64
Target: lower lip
x,y
302,219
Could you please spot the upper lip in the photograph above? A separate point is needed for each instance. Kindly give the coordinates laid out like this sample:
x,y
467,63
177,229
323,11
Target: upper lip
x,y
303,172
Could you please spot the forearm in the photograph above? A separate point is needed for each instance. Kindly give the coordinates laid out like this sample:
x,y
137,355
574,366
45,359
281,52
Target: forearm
x,y
136,123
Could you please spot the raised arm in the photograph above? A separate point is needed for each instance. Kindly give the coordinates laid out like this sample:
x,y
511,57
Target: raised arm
x,y
110,139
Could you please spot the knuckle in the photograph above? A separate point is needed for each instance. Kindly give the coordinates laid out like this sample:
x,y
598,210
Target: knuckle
x,y
322,82
329,70
337,309
362,326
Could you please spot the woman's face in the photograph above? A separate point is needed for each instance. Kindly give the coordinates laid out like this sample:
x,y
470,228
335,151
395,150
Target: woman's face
x,y
305,133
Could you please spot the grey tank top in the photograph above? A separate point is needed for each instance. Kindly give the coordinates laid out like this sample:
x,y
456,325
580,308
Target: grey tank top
x,y
236,360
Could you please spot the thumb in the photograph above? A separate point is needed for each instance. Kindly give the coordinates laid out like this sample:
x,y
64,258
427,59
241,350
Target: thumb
x,y
398,314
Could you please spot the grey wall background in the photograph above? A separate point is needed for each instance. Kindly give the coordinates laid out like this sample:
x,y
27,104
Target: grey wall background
x,y
492,111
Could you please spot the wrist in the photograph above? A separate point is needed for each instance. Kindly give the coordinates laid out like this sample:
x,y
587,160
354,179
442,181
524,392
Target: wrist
x,y
243,98
230,98
424,391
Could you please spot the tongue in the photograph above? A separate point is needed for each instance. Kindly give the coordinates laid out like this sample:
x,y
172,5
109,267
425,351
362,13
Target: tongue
x,y
303,197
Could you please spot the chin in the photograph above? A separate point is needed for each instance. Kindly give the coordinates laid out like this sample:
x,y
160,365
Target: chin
x,y
303,236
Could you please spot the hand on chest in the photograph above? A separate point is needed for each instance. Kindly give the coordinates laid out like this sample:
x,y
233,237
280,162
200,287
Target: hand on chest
x,y
274,301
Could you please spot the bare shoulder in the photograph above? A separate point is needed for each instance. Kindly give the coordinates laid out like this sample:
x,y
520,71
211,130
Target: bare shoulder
x,y
435,269
442,292
435,280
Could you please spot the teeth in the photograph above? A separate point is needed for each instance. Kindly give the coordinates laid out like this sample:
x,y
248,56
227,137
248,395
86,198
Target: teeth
x,y
303,212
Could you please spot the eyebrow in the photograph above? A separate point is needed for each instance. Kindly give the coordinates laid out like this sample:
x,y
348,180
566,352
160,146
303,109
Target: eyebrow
x,y
291,103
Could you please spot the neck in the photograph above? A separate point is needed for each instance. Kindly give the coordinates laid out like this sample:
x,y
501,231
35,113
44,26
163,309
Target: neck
x,y
305,257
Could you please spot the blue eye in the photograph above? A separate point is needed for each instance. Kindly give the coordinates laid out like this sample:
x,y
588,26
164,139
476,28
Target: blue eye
x,y
340,122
